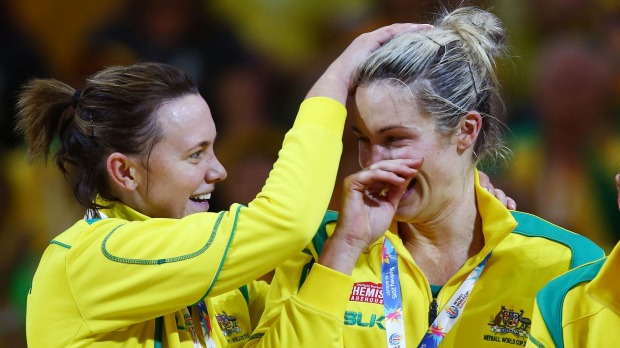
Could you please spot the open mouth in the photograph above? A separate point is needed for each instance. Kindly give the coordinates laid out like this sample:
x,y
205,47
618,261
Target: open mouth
x,y
409,189
200,198
413,182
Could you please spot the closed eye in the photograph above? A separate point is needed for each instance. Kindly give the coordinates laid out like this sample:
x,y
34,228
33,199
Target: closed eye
x,y
395,140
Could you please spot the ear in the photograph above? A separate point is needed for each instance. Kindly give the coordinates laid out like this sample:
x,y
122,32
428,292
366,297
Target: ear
x,y
122,171
469,130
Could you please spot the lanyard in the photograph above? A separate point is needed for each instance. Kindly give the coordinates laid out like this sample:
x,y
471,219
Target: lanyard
x,y
205,322
393,304
392,299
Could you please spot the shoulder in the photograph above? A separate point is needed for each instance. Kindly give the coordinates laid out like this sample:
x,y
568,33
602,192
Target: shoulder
x,y
326,228
551,298
583,250
69,237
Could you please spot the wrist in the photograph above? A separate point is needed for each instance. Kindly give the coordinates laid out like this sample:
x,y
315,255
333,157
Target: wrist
x,y
340,254
332,86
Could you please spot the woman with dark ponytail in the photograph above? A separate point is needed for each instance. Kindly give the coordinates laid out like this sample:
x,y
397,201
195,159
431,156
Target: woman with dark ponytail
x,y
137,145
455,267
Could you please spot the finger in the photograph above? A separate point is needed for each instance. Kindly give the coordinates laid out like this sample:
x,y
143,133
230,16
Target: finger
x,y
501,196
378,37
512,205
397,164
485,182
389,31
404,169
379,182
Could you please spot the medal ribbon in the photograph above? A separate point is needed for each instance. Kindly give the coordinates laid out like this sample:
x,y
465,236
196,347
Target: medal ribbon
x,y
393,307
392,299
452,311
205,322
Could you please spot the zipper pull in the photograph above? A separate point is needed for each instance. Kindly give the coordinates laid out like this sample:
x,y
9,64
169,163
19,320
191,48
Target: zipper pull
x,y
432,312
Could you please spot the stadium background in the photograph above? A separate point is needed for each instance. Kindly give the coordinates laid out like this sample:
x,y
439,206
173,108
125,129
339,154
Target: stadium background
x,y
255,59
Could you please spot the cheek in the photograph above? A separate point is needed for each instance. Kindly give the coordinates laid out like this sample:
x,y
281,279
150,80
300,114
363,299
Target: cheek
x,y
364,156
405,152
193,177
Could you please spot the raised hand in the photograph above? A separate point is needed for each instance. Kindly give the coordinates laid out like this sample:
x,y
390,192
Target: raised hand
x,y
337,81
369,202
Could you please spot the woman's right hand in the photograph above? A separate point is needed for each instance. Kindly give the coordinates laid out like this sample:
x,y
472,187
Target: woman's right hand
x,y
337,81
369,202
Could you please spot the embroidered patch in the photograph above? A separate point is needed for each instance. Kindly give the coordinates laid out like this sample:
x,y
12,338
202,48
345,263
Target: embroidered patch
x,y
509,326
230,328
367,292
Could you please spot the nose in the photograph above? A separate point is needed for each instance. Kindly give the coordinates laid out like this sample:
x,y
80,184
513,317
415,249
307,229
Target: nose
x,y
216,171
375,154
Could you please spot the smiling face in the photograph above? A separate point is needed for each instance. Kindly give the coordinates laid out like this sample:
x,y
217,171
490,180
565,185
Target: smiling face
x,y
389,126
182,167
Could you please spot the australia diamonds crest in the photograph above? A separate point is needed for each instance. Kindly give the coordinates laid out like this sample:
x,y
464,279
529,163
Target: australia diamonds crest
x,y
509,326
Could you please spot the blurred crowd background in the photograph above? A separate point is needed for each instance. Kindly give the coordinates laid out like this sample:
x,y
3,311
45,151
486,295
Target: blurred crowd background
x,y
254,61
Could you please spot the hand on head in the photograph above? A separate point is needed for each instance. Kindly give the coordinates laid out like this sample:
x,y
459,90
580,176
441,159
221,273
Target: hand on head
x,y
337,81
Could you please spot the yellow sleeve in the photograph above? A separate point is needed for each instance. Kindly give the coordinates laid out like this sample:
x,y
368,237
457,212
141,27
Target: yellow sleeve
x,y
294,317
539,334
284,216
122,272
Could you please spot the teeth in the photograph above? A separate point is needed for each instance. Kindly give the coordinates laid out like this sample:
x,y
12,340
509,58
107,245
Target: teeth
x,y
202,197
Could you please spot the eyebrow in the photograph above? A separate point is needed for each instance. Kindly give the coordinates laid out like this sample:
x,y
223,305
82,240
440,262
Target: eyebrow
x,y
200,145
204,144
381,130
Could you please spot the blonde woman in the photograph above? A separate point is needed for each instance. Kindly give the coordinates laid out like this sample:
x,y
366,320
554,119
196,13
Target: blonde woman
x,y
455,266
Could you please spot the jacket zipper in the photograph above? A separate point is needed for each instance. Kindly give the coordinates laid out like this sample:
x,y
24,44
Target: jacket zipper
x,y
432,312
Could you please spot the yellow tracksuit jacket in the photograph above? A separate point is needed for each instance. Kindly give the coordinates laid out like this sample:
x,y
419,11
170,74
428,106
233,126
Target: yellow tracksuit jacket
x,y
126,280
580,308
324,308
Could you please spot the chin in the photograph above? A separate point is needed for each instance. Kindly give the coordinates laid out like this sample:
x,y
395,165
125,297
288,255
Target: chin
x,y
197,207
408,209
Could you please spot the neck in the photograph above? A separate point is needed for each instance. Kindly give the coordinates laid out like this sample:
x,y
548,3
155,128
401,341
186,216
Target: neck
x,y
441,247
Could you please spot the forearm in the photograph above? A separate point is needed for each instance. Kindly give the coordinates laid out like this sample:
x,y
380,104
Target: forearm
x,y
286,213
339,255
295,320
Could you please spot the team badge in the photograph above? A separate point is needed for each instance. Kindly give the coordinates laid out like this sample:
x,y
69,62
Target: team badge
x,y
509,326
230,328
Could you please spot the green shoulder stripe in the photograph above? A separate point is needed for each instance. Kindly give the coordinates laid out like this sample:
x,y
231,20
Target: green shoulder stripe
x,y
245,293
232,234
582,249
54,241
159,324
321,234
92,221
550,299
317,242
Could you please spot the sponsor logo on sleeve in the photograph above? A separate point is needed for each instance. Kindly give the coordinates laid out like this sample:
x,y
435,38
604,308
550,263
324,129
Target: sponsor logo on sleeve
x,y
367,292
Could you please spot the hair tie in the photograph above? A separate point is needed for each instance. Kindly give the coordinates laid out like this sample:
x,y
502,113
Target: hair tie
x,y
76,98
